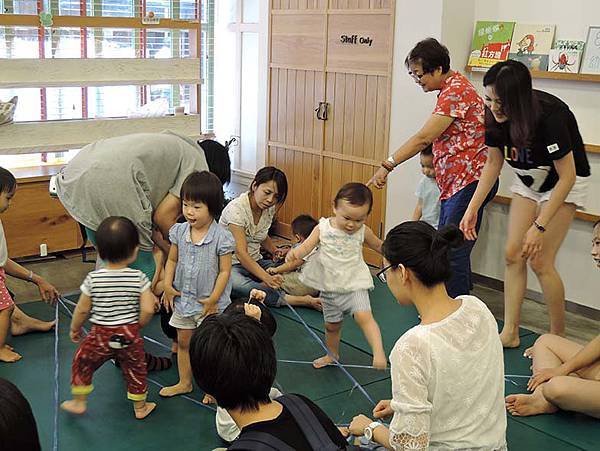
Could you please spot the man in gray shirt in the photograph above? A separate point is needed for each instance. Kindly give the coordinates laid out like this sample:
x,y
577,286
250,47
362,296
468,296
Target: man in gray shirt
x,y
138,176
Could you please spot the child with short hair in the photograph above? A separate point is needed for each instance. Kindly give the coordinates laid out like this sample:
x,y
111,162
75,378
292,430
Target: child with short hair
x,y
339,272
428,193
197,282
302,226
10,315
227,429
119,302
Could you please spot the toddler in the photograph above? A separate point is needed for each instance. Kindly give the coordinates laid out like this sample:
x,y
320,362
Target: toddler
x,y
428,193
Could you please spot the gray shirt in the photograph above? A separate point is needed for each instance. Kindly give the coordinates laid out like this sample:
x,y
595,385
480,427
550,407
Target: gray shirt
x,y
127,176
429,195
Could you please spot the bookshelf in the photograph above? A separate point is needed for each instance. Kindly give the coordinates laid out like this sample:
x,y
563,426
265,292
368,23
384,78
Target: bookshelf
x,y
589,78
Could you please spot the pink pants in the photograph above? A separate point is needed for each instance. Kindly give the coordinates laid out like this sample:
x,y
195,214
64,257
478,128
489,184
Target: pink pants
x,y
6,300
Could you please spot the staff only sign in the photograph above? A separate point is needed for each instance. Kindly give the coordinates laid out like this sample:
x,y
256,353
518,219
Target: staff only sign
x,y
356,40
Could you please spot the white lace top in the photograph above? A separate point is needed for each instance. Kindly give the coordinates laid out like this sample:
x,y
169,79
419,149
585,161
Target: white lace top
x,y
448,383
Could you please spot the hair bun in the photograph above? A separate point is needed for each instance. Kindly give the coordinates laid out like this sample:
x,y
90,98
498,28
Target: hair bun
x,y
448,237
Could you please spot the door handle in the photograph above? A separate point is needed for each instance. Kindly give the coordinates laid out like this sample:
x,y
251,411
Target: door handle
x,y
322,110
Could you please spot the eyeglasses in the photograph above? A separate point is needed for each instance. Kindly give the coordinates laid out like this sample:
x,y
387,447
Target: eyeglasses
x,y
417,77
381,274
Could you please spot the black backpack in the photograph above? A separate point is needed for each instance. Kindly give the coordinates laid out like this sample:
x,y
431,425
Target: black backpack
x,y
309,424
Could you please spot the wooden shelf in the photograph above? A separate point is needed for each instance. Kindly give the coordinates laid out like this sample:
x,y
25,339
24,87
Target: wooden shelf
x,y
590,78
581,215
592,148
24,20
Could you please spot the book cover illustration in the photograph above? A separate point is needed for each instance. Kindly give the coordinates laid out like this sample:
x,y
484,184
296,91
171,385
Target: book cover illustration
x,y
566,56
491,43
531,45
591,56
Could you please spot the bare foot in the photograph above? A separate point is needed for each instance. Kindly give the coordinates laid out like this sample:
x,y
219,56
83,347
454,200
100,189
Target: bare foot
x,y
526,405
9,347
74,406
174,390
324,361
509,339
25,324
8,355
144,410
208,400
380,362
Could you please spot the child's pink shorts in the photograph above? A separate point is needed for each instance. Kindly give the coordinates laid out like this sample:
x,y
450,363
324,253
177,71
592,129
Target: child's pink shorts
x,y
6,300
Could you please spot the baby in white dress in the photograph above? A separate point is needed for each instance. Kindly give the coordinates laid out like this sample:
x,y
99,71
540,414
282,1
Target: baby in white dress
x,y
339,272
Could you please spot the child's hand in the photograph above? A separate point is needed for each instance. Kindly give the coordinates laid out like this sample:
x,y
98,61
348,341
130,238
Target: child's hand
x,y
272,271
156,305
253,311
383,409
210,307
291,256
168,298
75,335
274,281
258,295
280,254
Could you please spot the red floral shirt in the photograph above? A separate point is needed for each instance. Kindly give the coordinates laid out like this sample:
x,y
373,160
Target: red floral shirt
x,y
459,153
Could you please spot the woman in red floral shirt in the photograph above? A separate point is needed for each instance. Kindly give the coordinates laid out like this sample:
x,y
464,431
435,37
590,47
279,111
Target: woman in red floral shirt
x,y
457,133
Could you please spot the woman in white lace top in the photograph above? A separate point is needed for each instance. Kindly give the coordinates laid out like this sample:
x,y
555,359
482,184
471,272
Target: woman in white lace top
x,y
448,371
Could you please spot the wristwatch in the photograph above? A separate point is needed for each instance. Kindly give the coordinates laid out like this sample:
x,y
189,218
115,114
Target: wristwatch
x,y
370,428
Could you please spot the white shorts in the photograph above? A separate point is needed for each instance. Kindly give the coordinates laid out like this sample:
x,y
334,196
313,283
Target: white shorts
x,y
336,304
577,195
178,321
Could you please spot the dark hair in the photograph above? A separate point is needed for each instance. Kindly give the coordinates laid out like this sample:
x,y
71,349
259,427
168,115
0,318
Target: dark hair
x,y
427,151
271,173
204,187
18,430
217,159
512,83
430,54
356,194
422,249
266,317
303,225
116,239
8,183
233,360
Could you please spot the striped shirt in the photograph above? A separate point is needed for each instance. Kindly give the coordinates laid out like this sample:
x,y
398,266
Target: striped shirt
x,y
115,295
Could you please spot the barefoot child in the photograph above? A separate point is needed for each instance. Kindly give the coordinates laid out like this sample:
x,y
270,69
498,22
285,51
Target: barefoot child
x,y
10,315
339,272
119,302
302,226
197,282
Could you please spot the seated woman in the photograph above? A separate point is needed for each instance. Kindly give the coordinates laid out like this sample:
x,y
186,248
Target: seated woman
x,y
249,218
18,429
448,371
566,375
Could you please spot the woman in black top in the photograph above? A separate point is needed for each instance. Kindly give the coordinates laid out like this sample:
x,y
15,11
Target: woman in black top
x,y
537,134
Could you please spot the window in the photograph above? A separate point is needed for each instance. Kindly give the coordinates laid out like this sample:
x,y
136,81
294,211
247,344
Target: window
x,y
62,103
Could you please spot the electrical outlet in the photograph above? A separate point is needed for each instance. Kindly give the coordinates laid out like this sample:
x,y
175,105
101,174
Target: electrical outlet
x,y
43,250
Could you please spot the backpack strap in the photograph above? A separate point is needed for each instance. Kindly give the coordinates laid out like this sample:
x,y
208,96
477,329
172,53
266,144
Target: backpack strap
x,y
313,430
259,441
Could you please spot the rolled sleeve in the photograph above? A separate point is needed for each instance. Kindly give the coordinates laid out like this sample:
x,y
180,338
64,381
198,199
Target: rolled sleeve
x,y
176,232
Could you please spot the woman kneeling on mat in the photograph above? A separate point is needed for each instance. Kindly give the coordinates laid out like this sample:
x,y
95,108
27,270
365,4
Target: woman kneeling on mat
x,y
566,375
448,371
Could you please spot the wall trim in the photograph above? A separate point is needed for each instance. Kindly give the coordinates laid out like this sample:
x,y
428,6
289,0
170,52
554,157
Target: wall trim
x,y
243,178
570,306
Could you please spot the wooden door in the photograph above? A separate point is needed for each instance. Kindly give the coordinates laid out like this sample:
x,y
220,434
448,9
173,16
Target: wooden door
x,y
337,52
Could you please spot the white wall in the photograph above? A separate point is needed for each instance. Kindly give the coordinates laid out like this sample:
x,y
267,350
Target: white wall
x,y
410,107
452,21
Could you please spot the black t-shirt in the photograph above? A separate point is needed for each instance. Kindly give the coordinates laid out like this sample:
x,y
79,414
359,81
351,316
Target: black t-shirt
x,y
285,428
556,134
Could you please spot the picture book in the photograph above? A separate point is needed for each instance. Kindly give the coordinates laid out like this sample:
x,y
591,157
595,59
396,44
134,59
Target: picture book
x,y
531,45
591,56
491,43
566,56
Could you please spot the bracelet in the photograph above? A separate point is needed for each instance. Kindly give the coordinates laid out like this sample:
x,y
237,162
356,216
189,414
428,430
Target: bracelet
x,y
30,276
387,166
538,226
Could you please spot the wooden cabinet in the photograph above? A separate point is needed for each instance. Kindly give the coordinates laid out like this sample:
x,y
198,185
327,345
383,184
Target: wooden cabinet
x,y
35,218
